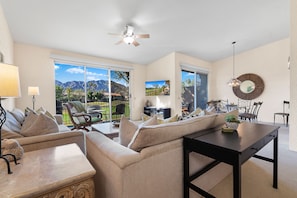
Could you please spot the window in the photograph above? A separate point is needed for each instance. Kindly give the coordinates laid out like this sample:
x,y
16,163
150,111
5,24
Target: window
x,y
194,90
98,88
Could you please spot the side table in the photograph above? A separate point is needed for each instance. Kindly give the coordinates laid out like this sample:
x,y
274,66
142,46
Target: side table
x,y
233,149
57,172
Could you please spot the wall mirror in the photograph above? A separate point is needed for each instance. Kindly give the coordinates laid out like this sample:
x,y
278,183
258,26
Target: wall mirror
x,y
250,88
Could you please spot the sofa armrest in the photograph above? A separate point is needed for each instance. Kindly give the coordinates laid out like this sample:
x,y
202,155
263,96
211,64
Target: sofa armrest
x,y
99,145
54,139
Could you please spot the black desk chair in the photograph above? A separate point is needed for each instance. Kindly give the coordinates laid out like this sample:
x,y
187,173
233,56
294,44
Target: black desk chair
x,y
284,114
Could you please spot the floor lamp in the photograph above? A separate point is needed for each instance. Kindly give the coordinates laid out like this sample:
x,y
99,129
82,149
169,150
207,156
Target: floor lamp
x,y
33,91
9,87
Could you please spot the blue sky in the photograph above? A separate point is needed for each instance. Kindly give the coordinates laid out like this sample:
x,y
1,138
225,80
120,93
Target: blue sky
x,y
65,73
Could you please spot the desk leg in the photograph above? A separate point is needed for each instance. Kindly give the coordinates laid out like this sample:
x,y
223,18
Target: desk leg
x,y
275,161
237,180
186,173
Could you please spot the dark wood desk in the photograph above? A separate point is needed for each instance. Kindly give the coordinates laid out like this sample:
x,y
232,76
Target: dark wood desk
x,y
231,148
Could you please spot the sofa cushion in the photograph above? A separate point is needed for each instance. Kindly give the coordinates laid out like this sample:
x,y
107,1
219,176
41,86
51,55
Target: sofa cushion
x,y
6,134
128,129
38,124
152,135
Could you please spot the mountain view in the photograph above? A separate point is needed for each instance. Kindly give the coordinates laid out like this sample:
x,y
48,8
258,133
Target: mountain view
x,y
99,85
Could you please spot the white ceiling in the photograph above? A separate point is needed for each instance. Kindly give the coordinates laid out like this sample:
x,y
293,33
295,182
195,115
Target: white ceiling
x,y
200,28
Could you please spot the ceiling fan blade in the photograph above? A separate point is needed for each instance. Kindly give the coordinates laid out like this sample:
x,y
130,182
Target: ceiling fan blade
x,y
135,43
115,34
142,36
119,42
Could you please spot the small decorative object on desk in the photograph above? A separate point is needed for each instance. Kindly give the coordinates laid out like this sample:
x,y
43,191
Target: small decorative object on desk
x,y
231,123
116,124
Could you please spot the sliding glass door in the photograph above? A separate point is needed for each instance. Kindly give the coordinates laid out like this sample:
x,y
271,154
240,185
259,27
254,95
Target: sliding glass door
x,y
98,89
194,91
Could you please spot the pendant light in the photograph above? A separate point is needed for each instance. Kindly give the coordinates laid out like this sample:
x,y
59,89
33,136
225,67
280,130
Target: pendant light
x,y
234,82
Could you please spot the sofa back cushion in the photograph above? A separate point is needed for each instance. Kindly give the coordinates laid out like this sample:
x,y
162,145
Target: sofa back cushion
x,y
152,135
128,129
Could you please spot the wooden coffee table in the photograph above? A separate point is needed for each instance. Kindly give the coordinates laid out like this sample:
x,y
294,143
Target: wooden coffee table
x,y
108,129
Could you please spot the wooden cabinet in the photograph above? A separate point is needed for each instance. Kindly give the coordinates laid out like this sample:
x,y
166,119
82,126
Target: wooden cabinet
x,y
163,112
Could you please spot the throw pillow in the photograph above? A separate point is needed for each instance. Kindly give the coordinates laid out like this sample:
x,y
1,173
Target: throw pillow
x,y
157,134
128,129
12,123
19,115
44,111
28,110
38,125
167,120
145,117
196,112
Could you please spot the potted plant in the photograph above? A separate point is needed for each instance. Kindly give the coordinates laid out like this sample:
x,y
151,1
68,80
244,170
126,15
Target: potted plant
x,y
232,121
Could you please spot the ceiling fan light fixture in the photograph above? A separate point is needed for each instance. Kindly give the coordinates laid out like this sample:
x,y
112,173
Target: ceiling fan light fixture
x,y
128,39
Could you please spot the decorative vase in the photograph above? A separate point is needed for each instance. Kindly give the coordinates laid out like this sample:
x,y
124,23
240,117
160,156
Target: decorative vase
x,y
232,125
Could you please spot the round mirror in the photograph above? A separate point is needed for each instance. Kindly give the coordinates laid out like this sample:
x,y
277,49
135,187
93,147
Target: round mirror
x,y
250,88
247,86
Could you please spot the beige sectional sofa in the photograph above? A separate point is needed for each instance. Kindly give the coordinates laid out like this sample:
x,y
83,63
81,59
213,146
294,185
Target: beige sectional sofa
x,y
44,136
152,164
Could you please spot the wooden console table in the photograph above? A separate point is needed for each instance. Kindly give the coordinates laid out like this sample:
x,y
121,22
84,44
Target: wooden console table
x,y
231,148
57,172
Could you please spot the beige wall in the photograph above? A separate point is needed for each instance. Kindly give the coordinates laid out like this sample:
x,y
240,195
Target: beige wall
x,y
293,77
162,69
269,62
169,68
37,69
6,48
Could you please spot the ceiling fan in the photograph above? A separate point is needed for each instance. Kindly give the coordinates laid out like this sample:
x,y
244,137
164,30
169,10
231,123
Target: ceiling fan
x,y
129,37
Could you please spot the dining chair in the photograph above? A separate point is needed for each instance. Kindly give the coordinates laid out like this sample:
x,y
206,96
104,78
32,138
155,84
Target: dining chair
x,y
285,114
252,113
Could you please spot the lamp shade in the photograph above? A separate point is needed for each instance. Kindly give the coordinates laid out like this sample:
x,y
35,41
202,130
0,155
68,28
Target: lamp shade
x,y
33,91
9,81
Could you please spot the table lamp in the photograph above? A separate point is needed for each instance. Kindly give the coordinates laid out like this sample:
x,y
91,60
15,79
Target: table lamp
x,y
33,91
9,87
